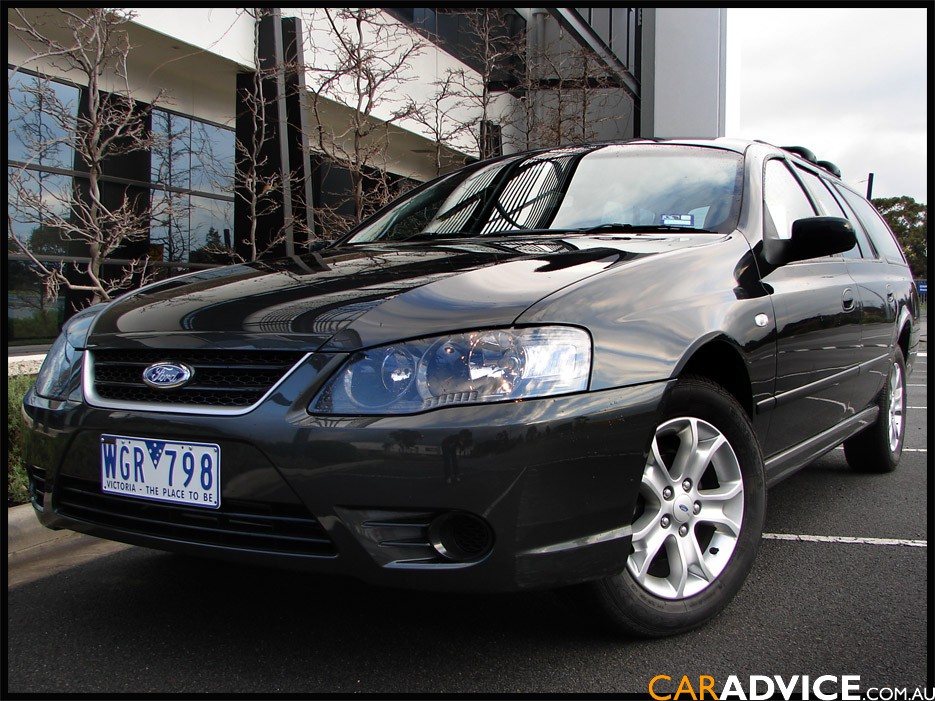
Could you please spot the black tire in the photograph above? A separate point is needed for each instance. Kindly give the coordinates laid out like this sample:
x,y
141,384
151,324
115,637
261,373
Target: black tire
x,y
879,446
645,601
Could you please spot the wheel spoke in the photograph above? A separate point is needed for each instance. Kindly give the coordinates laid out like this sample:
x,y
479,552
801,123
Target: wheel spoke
x,y
724,492
705,453
678,566
655,476
645,551
644,525
687,450
698,566
895,409
717,515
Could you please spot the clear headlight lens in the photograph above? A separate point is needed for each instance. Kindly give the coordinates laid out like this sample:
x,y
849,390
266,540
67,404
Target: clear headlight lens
x,y
60,374
467,368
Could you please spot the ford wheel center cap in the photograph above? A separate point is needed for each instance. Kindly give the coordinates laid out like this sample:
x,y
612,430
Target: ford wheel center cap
x,y
167,375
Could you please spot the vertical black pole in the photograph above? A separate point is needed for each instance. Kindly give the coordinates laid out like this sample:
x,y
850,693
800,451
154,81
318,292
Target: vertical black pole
x,y
282,128
282,148
297,132
870,186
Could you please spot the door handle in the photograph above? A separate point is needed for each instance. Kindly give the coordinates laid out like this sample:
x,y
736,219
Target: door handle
x,y
847,300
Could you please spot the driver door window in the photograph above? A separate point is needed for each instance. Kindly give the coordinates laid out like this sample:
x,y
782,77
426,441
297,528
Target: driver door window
x,y
784,199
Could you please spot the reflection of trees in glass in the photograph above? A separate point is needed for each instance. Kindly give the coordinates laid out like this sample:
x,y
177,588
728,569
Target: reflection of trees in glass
x,y
170,217
37,107
214,250
38,193
188,155
93,45
47,240
212,158
171,149
184,224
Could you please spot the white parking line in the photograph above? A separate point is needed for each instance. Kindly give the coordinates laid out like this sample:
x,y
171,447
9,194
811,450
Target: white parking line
x,y
844,539
905,450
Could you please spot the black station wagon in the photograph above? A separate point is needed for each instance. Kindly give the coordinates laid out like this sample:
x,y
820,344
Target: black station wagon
x,y
575,368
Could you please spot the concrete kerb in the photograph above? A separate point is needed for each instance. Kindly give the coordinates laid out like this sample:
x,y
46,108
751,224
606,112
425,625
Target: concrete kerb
x,y
24,364
24,530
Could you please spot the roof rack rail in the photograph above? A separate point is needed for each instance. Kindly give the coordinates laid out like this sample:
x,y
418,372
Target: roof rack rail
x,y
830,167
805,153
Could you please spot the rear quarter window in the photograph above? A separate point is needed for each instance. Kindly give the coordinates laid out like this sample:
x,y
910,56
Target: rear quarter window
x,y
878,230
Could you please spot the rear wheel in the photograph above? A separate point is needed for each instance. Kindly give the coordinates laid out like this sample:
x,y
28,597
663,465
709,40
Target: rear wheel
x,y
879,446
698,519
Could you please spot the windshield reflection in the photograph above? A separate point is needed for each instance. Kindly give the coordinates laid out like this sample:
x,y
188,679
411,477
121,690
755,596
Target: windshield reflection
x,y
638,186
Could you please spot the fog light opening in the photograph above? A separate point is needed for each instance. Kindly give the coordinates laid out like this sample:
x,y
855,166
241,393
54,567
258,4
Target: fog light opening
x,y
460,537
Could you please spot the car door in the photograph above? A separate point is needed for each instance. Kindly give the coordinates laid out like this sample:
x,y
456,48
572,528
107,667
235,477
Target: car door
x,y
881,275
817,312
872,277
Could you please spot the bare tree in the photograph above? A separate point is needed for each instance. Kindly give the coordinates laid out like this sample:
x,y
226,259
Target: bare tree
x,y
440,117
567,97
93,46
497,47
361,65
257,184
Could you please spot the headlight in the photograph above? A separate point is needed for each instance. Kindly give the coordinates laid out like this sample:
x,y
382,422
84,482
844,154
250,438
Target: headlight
x,y
467,368
60,374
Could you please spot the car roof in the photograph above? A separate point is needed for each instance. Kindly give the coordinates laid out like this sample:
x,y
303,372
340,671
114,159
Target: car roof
x,y
799,154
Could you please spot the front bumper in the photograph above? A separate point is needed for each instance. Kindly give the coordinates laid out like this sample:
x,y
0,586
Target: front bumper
x,y
553,481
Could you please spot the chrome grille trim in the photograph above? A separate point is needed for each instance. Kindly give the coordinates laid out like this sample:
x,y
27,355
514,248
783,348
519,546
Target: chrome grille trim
x,y
92,397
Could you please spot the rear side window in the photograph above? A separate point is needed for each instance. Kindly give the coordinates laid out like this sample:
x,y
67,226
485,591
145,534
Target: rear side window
x,y
826,203
879,232
829,206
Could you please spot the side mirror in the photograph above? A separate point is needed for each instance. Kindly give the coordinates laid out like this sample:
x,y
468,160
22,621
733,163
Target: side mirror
x,y
812,237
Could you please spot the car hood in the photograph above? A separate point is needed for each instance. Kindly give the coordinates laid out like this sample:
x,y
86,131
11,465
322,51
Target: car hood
x,y
360,296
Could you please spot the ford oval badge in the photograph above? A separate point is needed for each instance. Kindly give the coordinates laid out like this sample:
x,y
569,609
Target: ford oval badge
x,y
167,375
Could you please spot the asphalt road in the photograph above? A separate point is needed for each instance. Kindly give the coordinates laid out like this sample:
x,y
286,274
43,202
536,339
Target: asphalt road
x,y
145,621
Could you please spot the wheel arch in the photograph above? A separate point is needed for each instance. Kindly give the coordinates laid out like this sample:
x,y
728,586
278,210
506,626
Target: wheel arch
x,y
904,334
721,361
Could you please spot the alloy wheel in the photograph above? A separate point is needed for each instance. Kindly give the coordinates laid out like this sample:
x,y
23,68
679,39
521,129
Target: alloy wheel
x,y
689,511
895,409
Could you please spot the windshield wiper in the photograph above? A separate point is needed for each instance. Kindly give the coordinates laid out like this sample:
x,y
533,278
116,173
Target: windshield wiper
x,y
610,227
642,228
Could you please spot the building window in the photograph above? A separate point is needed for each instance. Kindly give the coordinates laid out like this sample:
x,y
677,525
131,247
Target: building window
x,y
193,210
186,181
491,137
41,113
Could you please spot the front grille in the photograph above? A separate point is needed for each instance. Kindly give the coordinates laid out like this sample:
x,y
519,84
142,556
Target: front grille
x,y
240,524
222,378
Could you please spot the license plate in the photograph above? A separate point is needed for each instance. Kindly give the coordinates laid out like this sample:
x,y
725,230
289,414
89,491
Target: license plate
x,y
179,473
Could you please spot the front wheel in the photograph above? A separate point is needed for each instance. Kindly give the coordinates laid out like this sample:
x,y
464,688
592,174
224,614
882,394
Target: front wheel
x,y
879,446
698,519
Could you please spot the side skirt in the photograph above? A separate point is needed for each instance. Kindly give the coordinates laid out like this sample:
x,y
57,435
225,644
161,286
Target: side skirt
x,y
783,464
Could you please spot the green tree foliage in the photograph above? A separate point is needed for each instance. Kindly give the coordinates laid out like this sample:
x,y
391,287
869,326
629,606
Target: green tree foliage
x,y
16,479
908,219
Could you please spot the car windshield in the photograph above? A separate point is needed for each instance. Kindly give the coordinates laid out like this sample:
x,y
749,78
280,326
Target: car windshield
x,y
635,187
